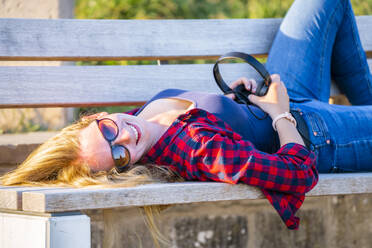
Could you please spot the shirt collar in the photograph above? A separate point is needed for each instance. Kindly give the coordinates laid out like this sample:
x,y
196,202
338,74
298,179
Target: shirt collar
x,y
174,129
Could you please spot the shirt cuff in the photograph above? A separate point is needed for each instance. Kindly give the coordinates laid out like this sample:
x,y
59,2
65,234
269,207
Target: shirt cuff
x,y
300,151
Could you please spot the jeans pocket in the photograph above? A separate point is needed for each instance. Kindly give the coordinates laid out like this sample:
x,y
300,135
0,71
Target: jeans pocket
x,y
320,140
317,128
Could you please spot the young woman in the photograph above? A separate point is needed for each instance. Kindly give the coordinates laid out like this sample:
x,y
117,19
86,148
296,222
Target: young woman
x,y
201,136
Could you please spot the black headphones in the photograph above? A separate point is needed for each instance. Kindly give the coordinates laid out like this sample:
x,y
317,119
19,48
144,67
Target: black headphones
x,y
241,94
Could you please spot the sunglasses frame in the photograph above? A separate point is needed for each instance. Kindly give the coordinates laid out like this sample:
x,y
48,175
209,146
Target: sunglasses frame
x,y
119,168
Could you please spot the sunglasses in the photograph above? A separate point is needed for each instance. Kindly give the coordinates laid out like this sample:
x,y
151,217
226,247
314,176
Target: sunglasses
x,y
120,154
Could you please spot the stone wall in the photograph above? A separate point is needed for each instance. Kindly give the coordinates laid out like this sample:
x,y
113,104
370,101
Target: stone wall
x,y
337,221
21,120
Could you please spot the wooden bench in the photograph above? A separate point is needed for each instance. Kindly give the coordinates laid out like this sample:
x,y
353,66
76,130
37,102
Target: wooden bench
x,y
50,217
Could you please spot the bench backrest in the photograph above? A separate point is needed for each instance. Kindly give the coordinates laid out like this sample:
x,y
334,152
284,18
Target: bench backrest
x,y
98,40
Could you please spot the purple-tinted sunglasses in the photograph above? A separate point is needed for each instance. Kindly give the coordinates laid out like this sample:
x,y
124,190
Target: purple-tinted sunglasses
x,y
120,153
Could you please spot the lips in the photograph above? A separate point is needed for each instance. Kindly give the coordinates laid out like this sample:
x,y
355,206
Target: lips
x,y
136,131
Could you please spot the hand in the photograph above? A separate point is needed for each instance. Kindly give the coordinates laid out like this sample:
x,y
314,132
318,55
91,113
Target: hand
x,y
94,116
250,85
276,100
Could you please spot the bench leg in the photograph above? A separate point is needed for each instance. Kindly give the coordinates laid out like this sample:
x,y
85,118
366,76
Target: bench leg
x,y
20,229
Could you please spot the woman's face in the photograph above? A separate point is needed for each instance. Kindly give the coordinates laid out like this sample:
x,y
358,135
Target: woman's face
x,y
96,151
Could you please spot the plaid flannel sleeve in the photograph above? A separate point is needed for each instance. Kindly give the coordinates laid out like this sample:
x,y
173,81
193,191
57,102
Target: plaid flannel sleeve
x,y
291,169
199,146
284,177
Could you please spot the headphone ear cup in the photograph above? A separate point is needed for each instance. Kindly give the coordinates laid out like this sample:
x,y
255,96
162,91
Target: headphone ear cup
x,y
261,88
264,89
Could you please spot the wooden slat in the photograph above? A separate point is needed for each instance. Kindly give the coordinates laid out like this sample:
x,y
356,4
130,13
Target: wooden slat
x,y
170,193
99,85
176,193
106,85
11,197
72,39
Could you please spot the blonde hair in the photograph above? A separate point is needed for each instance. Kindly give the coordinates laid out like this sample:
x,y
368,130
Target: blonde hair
x,y
57,163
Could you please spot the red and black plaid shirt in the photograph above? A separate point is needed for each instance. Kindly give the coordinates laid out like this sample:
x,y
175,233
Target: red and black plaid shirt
x,y
199,146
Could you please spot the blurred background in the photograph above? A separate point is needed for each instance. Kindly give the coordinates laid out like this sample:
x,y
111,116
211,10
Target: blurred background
x,y
192,9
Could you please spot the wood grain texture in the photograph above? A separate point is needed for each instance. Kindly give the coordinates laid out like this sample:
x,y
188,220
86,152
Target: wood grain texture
x,y
107,85
177,193
11,197
103,85
72,39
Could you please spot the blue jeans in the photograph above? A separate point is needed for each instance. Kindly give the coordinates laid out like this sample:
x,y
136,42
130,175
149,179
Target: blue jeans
x,y
318,40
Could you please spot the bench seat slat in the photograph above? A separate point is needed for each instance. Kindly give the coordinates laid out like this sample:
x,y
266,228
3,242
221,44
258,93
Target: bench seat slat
x,y
106,85
45,39
60,200
11,196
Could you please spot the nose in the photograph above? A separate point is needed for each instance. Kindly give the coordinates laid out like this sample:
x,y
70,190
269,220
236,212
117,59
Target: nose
x,y
124,136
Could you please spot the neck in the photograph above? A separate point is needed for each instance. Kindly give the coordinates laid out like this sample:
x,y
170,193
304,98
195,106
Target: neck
x,y
158,127
160,114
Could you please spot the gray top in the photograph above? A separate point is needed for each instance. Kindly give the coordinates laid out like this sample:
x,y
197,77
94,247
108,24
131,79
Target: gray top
x,y
241,120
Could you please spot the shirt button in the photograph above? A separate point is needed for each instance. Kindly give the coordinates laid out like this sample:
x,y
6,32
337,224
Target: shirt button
x,y
315,133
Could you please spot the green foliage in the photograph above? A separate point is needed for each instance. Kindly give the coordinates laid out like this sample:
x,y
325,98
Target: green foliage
x,y
192,9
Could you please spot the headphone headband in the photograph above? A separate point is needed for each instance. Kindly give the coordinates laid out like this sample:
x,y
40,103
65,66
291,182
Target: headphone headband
x,y
248,59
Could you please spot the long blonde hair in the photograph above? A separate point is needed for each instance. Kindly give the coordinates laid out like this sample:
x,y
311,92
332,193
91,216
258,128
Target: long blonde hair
x,y
57,163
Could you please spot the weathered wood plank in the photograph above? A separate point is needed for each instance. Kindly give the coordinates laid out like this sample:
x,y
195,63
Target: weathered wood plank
x,y
11,196
177,193
107,85
72,39
171,193
10,199
102,85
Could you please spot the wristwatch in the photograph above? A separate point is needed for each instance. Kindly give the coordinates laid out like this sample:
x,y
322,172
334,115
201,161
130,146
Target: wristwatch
x,y
286,115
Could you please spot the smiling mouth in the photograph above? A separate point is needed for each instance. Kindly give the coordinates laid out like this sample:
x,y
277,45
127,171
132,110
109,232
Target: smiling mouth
x,y
136,131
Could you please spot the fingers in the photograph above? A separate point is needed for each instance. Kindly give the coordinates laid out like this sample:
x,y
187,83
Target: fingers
x,y
101,114
94,116
249,84
231,96
254,99
275,78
